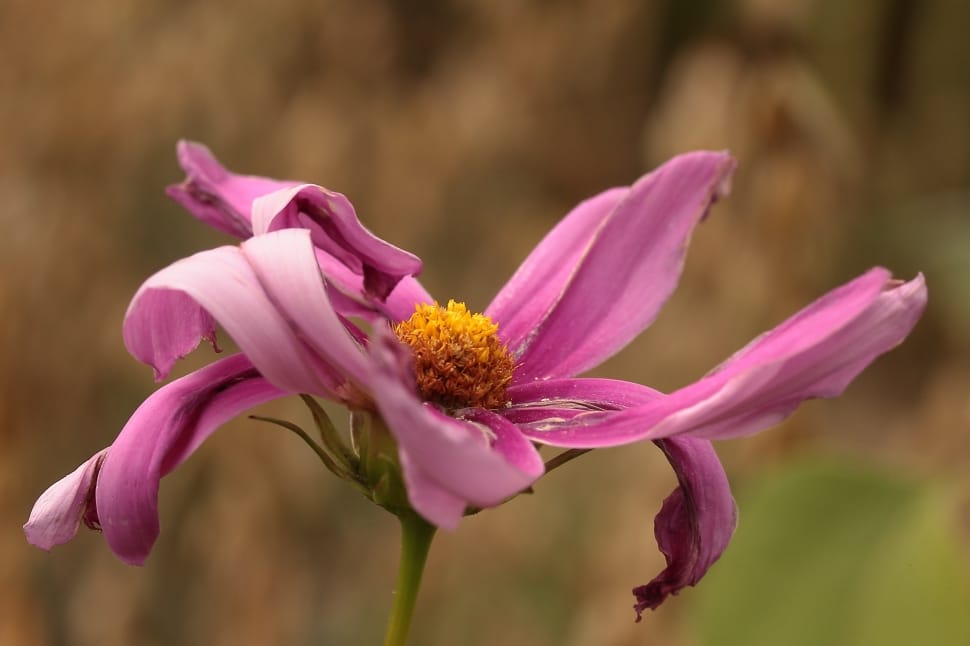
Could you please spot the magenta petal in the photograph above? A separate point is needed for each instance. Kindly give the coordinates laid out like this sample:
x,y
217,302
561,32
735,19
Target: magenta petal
x,y
540,279
593,392
160,435
444,459
816,353
694,525
398,306
335,229
57,514
539,403
168,308
616,286
221,199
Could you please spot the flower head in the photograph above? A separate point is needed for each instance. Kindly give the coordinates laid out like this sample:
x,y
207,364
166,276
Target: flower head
x,y
463,399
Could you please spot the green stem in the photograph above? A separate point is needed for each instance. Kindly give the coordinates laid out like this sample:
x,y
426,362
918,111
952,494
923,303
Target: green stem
x,y
416,535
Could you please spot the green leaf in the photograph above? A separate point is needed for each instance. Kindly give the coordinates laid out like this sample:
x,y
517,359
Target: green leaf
x,y
842,557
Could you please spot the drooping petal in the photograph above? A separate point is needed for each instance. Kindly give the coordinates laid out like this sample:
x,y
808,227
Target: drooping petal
x,y
616,285
336,230
694,525
445,460
179,302
221,199
58,512
816,353
117,488
167,428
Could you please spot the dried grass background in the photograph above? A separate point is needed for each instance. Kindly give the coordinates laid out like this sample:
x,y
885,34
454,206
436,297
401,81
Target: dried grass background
x,y
461,130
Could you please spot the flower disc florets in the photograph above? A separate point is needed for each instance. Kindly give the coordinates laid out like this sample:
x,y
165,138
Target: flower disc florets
x,y
459,361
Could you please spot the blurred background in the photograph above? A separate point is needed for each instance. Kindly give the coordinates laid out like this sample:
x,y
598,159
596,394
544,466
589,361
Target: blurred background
x,y
462,130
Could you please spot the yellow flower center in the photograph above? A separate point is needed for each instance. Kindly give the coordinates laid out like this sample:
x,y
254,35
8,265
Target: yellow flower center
x,y
458,359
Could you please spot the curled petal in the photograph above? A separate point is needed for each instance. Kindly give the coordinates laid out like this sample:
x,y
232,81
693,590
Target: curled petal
x,y
335,229
221,199
445,461
117,489
816,353
615,284
178,304
58,512
398,306
694,525
244,205
167,428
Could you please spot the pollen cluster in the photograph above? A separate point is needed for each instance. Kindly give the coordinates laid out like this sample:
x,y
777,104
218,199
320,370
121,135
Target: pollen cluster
x,y
458,359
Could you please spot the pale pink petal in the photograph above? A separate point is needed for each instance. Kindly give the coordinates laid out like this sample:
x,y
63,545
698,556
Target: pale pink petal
x,y
508,441
221,199
335,229
616,286
221,282
436,504
58,512
696,522
286,266
450,455
816,353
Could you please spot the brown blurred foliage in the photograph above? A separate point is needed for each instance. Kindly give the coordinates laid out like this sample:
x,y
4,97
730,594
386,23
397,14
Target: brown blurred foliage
x,y
461,130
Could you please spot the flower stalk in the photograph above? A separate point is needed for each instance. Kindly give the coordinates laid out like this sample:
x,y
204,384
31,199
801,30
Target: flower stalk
x,y
416,537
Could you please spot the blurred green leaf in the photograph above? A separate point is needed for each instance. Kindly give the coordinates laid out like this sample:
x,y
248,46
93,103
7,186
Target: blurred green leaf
x,y
837,556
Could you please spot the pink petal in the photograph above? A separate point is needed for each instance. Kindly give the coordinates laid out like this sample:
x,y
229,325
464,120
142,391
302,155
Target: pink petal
x,y
336,230
244,205
118,487
696,522
221,199
398,306
816,353
175,305
444,459
610,291
57,514
509,442
559,400
538,282
286,267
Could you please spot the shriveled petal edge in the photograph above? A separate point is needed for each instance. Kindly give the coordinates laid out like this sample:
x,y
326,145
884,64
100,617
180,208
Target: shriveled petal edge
x,y
695,523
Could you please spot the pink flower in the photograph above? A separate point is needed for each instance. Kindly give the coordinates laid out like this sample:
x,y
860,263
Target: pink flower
x,y
465,397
